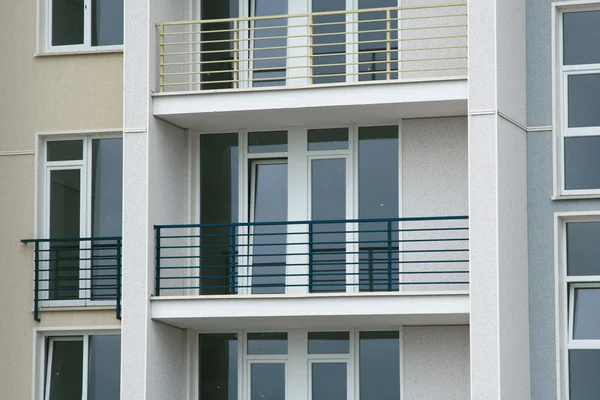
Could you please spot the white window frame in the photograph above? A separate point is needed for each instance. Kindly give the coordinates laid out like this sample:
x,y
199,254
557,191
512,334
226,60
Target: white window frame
x,y
44,33
560,74
42,339
299,163
565,287
297,361
84,166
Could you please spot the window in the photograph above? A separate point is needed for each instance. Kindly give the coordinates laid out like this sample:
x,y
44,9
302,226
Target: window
x,y
315,365
85,367
579,92
582,294
82,207
80,25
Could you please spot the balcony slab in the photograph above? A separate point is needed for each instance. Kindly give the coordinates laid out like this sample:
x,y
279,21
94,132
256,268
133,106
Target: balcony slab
x,y
263,108
323,311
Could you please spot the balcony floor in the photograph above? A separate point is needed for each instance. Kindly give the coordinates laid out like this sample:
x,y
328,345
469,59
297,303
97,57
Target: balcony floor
x,y
380,102
323,311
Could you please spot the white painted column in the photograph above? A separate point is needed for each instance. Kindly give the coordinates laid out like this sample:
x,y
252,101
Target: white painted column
x,y
499,331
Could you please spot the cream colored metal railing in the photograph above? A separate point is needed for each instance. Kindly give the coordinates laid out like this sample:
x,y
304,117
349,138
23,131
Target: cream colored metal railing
x,y
410,42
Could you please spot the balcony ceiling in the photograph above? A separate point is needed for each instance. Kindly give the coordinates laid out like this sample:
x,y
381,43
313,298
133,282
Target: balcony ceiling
x,y
378,102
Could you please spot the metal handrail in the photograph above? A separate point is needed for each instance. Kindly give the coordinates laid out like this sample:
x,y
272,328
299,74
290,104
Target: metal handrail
x,y
65,269
225,58
372,254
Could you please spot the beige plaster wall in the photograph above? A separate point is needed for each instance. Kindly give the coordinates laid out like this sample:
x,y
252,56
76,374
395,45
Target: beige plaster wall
x,y
75,92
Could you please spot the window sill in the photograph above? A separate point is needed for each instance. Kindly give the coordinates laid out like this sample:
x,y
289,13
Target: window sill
x,y
592,196
79,52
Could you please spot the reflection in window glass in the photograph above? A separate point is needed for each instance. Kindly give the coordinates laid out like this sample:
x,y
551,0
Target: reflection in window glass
x,y
581,37
582,164
379,365
328,343
373,38
586,321
329,381
104,367
64,150
329,42
66,370
67,22
269,204
218,358
583,100
218,206
267,381
583,251
328,139
269,44
267,142
107,22
328,240
378,179
267,343
583,374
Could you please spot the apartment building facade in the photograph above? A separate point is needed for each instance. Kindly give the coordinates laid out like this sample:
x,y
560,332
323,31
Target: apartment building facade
x,y
247,199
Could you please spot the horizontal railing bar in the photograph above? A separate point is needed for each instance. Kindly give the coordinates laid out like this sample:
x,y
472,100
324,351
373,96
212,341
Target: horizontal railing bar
x,y
51,240
315,14
313,222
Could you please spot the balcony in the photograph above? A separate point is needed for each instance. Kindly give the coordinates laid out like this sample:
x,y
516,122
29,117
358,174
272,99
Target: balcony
x,y
76,272
411,266
330,59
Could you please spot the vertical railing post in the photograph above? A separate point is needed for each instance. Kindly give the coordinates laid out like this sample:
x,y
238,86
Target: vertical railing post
x,y
388,45
232,266
389,255
310,52
157,262
119,270
235,54
370,270
162,57
36,282
310,256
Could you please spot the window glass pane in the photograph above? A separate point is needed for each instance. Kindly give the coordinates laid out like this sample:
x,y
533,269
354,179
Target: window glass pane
x,y
267,142
329,40
66,372
218,366
373,38
329,381
583,251
218,205
379,365
583,374
107,195
267,343
328,139
269,55
267,381
67,22
582,164
586,322
64,150
377,198
328,247
584,100
107,22
65,200
269,195
581,37
328,343
104,367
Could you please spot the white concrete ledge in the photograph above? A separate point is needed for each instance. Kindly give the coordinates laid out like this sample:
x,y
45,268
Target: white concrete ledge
x,y
312,105
312,311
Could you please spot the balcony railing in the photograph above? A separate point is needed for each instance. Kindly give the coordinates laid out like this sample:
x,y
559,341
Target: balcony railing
x,y
76,272
362,255
377,44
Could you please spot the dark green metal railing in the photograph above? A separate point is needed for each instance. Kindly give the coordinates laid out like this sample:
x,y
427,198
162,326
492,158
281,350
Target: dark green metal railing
x,y
364,255
76,271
